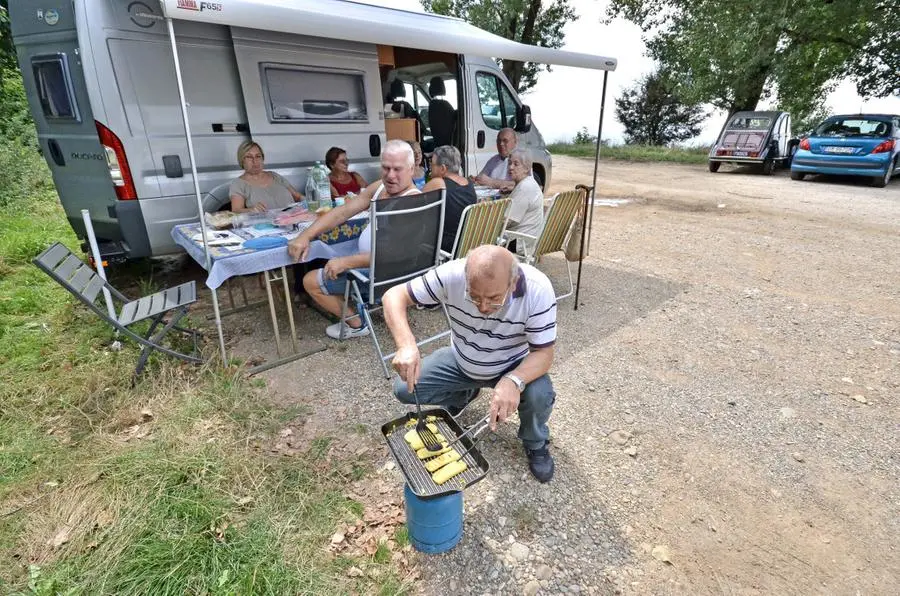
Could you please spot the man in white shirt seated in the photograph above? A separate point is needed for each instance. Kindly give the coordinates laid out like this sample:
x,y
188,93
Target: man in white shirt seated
x,y
495,172
503,329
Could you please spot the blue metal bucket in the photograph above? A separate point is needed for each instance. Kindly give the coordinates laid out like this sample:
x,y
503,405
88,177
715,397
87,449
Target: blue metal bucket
x,y
435,525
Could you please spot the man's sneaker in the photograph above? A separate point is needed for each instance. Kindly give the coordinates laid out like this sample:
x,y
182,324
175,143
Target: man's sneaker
x,y
540,462
334,331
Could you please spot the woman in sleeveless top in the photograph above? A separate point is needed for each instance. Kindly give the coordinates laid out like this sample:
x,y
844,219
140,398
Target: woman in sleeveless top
x,y
445,165
257,190
419,171
343,181
326,286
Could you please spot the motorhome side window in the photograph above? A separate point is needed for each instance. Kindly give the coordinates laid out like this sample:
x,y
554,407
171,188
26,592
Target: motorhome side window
x,y
298,94
54,87
498,108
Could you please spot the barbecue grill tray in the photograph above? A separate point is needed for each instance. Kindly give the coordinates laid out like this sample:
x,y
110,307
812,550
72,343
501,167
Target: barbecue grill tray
x,y
413,468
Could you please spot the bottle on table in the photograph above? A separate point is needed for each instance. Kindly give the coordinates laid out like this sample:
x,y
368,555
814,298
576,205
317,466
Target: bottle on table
x,y
323,185
312,191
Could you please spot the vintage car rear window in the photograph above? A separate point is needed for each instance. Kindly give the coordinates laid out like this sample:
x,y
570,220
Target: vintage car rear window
x,y
751,123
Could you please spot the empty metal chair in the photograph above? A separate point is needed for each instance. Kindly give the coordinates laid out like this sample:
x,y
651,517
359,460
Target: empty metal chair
x,y
552,238
406,242
84,283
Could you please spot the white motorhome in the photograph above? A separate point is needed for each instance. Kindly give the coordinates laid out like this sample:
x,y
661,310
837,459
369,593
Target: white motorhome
x,y
298,76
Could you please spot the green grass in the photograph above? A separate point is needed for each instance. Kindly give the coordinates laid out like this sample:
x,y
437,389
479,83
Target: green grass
x,y
639,153
190,504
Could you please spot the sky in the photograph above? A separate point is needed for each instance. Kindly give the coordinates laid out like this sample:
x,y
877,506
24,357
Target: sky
x,y
567,99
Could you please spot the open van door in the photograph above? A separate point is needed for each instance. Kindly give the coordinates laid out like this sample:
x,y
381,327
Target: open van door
x,y
51,64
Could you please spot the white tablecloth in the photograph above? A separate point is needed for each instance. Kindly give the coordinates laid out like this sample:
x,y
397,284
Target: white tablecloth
x,y
230,261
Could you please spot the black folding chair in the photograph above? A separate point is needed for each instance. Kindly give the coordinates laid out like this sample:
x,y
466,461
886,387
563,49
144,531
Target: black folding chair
x,y
406,242
84,283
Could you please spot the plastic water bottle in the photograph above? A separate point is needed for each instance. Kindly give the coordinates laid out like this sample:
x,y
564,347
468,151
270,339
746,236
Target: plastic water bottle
x,y
323,185
312,191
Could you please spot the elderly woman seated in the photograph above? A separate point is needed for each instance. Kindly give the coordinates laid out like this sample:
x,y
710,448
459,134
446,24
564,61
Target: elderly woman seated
x,y
257,189
446,163
526,211
326,286
343,181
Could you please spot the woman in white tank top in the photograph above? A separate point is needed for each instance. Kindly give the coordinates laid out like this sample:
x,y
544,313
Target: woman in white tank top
x,y
326,286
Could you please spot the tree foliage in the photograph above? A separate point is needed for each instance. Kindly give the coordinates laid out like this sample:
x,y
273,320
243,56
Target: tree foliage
x,y
525,21
15,118
734,54
653,114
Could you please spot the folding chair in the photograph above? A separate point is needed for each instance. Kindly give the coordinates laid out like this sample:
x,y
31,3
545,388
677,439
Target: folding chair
x,y
553,236
406,242
481,223
84,283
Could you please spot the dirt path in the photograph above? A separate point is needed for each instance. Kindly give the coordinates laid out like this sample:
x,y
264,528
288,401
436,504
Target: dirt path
x,y
727,399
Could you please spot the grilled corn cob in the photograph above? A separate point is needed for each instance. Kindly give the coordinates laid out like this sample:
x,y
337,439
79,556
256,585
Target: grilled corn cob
x,y
423,453
449,471
450,456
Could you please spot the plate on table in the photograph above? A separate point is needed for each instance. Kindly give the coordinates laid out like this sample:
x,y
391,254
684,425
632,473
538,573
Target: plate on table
x,y
218,238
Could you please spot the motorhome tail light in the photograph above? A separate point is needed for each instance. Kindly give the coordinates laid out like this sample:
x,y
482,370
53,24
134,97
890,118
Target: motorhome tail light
x,y
723,152
884,147
754,154
804,144
118,163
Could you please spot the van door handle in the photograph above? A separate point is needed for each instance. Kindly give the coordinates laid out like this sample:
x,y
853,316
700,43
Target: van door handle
x,y
374,145
56,153
479,140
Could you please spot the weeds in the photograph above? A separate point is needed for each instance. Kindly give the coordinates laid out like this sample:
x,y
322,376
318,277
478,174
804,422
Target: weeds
x,y
161,488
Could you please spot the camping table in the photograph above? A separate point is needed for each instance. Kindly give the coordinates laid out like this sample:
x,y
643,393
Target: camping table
x,y
230,261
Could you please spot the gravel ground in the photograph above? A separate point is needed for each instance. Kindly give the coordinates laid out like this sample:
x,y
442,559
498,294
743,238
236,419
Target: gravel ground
x,y
727,417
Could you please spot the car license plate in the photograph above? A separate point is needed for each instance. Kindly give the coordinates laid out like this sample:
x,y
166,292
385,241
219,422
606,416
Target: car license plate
x,y
842,150
740,154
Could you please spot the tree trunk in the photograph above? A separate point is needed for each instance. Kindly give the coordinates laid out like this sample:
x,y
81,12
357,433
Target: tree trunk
x,y
512,68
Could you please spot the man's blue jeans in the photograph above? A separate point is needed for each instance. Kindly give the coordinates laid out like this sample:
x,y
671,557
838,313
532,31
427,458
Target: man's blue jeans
x,y
442,383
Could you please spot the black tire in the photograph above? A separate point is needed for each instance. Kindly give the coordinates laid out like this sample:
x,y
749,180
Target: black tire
x,y
797,175
768,167
539,177
882,181
714,166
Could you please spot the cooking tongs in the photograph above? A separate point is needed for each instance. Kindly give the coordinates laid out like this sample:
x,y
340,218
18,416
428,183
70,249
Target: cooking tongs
x,y
473,432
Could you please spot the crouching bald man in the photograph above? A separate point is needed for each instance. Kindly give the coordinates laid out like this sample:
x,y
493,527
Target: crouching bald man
x,y
503,328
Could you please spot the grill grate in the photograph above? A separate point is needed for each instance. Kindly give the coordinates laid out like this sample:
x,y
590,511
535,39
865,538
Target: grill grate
x,y
418,478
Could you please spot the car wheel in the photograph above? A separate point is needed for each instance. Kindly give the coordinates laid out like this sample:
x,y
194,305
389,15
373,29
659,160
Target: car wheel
x,y
797,175
882,181
539,177
714,166
768,167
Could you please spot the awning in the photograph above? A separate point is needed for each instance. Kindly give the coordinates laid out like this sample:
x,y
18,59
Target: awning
x,y
351,21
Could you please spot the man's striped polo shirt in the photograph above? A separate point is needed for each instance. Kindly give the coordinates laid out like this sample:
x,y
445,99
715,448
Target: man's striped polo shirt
x,y
488,345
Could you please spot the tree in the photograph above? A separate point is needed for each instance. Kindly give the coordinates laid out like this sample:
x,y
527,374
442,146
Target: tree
x,y
525,21
734,54
653,114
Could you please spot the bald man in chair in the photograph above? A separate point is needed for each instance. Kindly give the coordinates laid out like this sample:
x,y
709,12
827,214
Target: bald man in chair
x,y
503,329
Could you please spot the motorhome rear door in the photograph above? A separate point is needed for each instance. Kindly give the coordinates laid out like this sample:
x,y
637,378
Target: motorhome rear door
x,y
47,46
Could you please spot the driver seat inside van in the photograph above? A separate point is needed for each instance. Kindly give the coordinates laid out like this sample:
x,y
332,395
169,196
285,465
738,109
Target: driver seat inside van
x,y
441,115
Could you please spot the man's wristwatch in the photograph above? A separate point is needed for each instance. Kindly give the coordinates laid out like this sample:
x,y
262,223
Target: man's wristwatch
x,y
519,383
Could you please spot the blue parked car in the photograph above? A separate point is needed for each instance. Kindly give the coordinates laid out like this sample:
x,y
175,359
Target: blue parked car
x,y
853,145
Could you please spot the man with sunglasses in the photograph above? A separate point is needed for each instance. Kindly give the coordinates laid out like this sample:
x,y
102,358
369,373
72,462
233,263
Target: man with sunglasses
x,y
503,329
